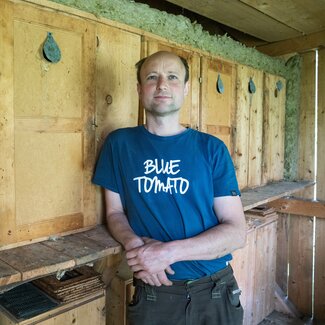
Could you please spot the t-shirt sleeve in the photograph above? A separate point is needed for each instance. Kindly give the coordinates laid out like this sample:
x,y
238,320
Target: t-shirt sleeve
x,y
224,176
104,174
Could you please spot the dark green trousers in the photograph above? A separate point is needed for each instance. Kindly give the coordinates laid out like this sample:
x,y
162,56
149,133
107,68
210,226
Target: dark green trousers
x,y
212,300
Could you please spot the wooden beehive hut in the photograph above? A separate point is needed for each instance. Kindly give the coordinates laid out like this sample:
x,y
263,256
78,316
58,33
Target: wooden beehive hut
x,y
67,79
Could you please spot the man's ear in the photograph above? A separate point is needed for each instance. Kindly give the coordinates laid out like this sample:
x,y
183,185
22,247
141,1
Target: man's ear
x,y
139,89
186,88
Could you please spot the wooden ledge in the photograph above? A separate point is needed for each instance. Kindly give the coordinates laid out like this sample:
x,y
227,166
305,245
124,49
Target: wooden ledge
x,y
252,198
32,261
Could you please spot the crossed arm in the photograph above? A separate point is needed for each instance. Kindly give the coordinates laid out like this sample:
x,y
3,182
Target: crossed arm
x,y
150,259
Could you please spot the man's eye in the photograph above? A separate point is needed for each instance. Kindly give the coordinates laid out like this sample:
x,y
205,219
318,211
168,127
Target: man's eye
x,y
152,77
172,77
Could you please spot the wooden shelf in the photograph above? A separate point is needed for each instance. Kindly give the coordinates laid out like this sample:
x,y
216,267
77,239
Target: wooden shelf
x,y
252,198
32,261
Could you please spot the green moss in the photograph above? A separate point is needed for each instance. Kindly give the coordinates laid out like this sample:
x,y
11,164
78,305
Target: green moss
x,y
181,30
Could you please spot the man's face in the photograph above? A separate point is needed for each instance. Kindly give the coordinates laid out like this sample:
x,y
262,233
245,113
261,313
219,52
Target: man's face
x,y
162,89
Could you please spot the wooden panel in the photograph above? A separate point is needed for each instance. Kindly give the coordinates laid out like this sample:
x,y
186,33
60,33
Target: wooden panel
x,y
321,127
249,122
217,109
189,113
49,176
319,285
265,265
273,132
117,53
53,134
306,159
300,263
56,88
7,140
243,264
281,274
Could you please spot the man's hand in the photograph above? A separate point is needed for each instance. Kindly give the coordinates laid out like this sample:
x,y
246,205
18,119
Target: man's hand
x,y
150,262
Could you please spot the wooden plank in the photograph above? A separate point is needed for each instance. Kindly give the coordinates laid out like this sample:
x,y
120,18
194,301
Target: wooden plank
x,y
299,207
281,274
264,194
319,298
248,130
306,159
293,45
243,264
218,108
300,263
36,260
273,128
265,266
7,140
82,248
241,17
293,13
321,127
102,237
8,274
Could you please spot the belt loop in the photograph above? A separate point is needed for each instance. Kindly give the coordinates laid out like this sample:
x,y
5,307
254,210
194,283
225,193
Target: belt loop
x,y
150,292
216,290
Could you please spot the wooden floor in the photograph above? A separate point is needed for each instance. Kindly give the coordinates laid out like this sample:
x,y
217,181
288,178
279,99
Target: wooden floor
x,y
276,318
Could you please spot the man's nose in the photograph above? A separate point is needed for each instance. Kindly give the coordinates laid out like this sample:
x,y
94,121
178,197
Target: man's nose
x,y
162,83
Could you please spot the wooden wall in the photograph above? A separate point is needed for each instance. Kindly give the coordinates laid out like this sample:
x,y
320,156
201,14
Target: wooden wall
x,y
296,232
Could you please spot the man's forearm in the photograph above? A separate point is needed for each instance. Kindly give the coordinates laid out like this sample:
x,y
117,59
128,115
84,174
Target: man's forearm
x,y
213,243
120,229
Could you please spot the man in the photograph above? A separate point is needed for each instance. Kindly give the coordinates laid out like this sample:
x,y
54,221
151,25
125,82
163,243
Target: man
x,y
173,202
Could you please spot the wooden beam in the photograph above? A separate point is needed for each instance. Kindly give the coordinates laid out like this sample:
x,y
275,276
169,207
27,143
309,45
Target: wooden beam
x,y
297,44
299,207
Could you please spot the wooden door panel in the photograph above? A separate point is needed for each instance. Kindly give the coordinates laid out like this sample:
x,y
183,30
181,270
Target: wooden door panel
x,y
51,110
249,127
273,128
217,108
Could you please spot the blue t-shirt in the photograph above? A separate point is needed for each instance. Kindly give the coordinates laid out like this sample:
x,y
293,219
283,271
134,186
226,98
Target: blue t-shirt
x,y
167,185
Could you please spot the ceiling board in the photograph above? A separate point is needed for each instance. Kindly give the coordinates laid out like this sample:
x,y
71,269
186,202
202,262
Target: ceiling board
x,y
304,16
267,20
240,16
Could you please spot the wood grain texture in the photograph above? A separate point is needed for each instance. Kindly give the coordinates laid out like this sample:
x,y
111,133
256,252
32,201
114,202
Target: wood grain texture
x,y
300,263
273,128
319,285
321,127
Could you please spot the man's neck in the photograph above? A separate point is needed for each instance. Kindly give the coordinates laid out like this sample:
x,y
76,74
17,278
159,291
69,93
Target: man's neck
x,y
163,126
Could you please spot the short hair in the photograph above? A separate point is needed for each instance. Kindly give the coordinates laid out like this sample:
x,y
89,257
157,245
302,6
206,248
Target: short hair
x,y
139,65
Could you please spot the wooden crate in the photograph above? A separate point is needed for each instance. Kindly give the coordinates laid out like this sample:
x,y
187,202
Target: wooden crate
x,y
90,310
254,267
